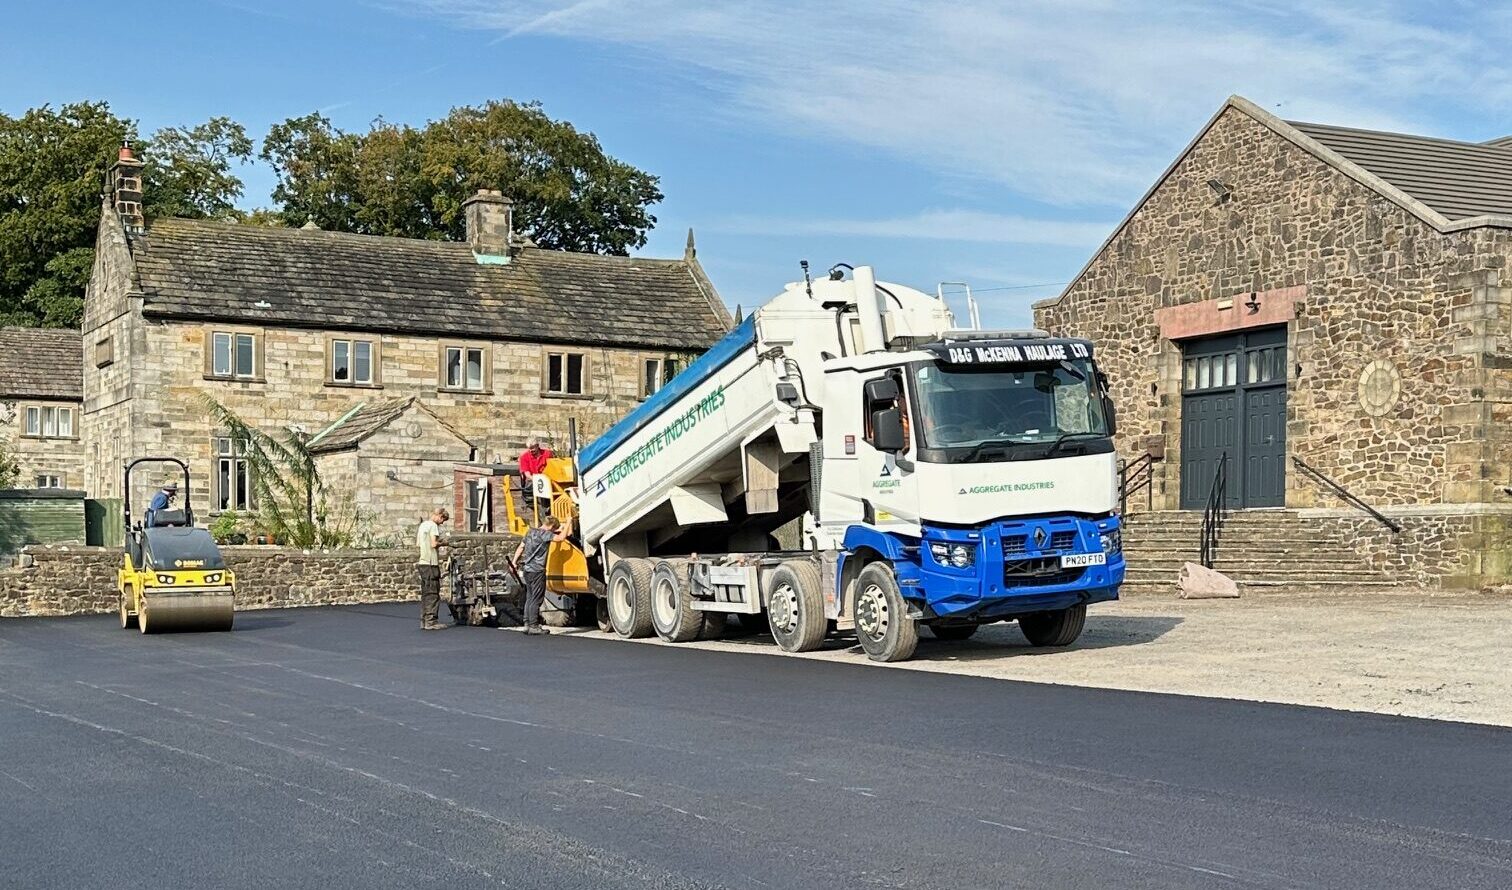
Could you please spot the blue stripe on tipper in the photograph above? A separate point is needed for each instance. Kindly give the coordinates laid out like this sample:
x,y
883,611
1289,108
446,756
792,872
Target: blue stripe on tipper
x,y
701,369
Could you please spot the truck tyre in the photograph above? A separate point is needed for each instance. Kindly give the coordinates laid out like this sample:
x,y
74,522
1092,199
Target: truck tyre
x,y
630,598
882,623
601,613
672,612
1059,628
795,606
953,631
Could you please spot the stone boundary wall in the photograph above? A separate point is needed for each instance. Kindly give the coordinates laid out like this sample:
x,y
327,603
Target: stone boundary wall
x,y
1442,550
75,580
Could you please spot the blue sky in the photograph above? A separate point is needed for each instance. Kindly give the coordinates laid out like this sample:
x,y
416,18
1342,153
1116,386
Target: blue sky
x,y
990,142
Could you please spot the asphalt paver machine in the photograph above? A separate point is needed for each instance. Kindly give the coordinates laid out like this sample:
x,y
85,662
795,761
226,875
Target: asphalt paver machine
x,y
172,576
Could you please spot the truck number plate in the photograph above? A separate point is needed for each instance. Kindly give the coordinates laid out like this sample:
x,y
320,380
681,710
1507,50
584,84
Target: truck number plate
x,y
1082,560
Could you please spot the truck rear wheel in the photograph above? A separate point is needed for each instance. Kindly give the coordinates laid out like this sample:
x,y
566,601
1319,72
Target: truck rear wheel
x,y
882,623
672,612
629,598
1059,628
795,606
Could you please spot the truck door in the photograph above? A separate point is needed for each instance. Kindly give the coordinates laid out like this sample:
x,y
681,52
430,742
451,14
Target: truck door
x,y
889,490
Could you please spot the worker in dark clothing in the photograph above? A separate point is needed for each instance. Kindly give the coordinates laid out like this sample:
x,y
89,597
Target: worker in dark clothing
x,y
161,502
530,556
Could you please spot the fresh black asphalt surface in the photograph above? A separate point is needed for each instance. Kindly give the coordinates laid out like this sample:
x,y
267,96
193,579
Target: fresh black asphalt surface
x,y
335,748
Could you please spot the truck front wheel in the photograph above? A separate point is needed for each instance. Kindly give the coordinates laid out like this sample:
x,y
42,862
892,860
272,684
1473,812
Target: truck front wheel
x,y
1059,628
882,623
630,598
795,606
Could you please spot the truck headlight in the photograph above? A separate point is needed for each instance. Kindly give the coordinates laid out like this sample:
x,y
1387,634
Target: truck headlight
x,y
165,579
1112,541
213,578
961,556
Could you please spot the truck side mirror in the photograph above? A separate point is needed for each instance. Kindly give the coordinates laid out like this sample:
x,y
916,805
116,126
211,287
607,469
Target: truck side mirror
x,y
1110,414
887,430
881,389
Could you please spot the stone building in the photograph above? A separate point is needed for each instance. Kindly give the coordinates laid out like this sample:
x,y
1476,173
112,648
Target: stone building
x,y
404,444
40,406
1310,306
293,329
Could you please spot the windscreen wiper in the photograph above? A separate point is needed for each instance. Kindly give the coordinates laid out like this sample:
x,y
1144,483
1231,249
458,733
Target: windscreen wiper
x,y
1063,438
978,448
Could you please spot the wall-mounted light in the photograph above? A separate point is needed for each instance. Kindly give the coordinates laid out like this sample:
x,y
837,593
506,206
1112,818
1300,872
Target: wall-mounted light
x,y
1221,192
1253,303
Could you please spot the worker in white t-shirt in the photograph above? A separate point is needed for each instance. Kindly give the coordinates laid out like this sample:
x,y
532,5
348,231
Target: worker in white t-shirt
x,y
429,541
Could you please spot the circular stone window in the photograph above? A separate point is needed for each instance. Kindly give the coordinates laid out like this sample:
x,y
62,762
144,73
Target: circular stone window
x,y
1380,387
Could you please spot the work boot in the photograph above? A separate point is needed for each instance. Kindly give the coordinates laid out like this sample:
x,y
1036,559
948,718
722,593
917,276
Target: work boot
x,y
535,630
433,626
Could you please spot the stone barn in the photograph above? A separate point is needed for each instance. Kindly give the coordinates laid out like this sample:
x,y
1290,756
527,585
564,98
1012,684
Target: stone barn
x,y
1308,327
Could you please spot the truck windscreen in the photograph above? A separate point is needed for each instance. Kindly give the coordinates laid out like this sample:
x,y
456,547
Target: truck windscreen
x,y
965,412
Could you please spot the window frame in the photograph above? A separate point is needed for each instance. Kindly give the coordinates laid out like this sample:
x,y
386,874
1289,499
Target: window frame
x,y
41,413
463,347
477,505
585,373
375,361
43,478
662,362
233,457
233,335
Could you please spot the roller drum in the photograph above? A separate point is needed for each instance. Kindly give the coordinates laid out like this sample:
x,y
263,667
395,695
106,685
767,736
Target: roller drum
x,y
165,613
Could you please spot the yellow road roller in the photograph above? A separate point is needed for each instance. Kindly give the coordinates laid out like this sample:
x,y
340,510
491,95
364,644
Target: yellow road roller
x,y
172,575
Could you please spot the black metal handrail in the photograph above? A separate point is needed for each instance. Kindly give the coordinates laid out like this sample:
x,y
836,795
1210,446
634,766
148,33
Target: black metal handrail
x,y
1134,475
1212,515
1345,494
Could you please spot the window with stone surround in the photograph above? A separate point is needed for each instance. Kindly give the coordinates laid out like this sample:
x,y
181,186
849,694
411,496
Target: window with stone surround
x,y
233,354
656,373
47,480
352,361
465,367
564,374
104,352
49,422
233,477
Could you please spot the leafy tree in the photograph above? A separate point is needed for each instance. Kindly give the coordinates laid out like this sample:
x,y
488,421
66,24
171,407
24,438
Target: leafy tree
x,y
409,182
52,170
10,471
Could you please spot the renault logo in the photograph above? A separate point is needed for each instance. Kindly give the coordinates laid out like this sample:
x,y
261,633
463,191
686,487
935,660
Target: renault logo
x,y
1040,538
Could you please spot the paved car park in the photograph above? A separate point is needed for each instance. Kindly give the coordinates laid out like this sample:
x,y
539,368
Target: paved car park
x,y
341,747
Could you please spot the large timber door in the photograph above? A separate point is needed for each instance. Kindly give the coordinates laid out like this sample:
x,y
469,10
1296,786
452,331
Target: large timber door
x,y
1234,403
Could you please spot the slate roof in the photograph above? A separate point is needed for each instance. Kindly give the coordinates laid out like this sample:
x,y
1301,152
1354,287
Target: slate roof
x,y
1458,179
41,363
357,424
198,269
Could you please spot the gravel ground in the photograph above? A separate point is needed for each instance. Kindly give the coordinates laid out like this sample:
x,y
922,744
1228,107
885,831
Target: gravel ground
x,y
1411,653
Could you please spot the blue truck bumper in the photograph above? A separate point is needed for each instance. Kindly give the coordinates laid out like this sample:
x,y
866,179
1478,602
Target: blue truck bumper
x,y
1016,567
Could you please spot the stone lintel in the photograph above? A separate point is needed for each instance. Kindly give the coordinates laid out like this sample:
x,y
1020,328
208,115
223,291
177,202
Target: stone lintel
x,y
1222,315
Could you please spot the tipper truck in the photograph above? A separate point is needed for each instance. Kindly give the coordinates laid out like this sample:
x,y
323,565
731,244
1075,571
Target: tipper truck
x,y
847,459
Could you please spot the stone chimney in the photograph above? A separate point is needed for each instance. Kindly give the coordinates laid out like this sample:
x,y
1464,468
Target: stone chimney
x,y
124,187
490,224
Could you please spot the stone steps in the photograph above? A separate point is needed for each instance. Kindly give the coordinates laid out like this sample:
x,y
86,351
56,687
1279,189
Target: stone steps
x,y
1260,550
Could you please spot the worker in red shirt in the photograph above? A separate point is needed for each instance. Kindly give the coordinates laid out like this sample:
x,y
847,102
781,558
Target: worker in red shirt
x,y
533,462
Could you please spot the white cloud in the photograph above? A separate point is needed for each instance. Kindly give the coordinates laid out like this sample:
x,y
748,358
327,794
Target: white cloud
x,y
938,225
1074,102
